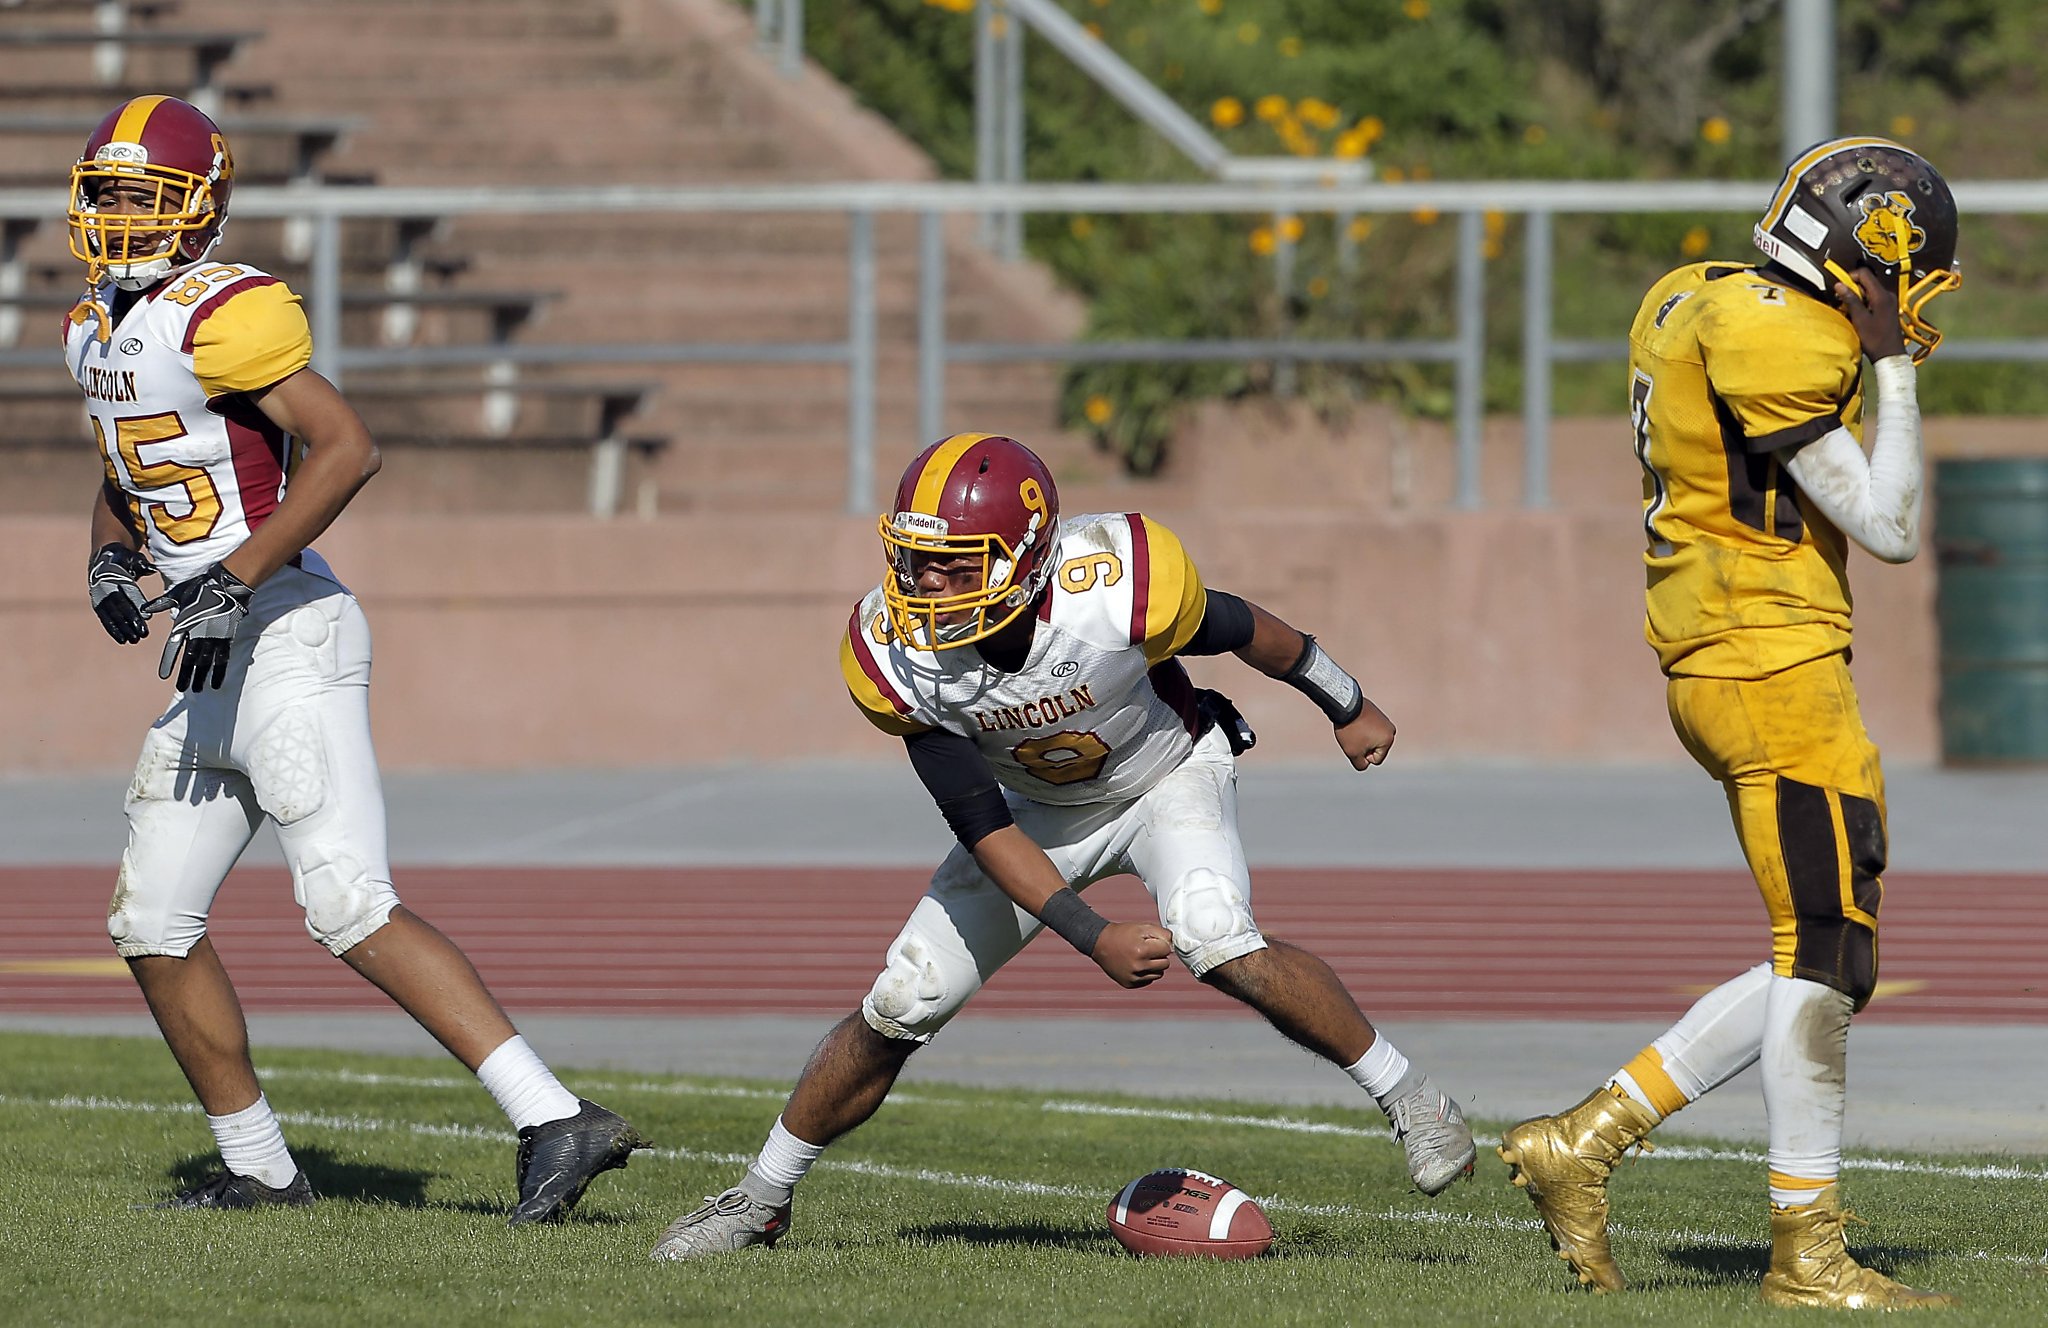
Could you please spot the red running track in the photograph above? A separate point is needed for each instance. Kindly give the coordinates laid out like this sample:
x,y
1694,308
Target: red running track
x,y
1411,944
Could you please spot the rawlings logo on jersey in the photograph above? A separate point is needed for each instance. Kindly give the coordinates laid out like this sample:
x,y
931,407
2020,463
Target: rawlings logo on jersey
x,y
1887,232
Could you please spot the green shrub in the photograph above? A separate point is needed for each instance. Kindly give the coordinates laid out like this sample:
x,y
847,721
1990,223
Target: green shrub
x,y
1451,89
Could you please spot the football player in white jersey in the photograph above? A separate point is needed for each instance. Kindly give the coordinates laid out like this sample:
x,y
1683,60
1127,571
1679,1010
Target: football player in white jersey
x,y
1028,663
225,455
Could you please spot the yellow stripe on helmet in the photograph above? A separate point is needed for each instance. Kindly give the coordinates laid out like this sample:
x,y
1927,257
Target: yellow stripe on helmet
x,y
932,482
135,115
1807,162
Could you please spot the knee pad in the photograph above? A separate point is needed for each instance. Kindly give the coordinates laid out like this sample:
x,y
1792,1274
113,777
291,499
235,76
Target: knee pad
x,y
1211,920
1859,963
1836,939
343,902
912,998
139,928
288,768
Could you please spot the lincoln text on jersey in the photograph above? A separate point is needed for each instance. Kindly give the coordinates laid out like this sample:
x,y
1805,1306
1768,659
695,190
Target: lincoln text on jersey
x,y
1032,714
108,384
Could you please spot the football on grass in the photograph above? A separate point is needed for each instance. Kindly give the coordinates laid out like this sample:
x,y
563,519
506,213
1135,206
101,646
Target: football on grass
x,y
1178,1211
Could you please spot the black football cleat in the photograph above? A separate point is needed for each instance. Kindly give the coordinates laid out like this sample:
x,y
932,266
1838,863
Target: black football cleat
x,y
230,1191
558,1159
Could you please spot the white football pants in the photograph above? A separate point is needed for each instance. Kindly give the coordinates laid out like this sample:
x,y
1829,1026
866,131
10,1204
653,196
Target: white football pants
x,y
1179,838
288,736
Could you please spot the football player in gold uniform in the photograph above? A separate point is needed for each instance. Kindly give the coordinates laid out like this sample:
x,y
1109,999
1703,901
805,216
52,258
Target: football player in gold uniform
x,y
1748,400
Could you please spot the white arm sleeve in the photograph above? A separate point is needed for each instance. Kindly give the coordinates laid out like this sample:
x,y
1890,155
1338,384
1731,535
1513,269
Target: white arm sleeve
x,y
1875,500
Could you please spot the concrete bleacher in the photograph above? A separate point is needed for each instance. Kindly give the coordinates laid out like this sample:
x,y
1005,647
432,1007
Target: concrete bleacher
x,y
563,92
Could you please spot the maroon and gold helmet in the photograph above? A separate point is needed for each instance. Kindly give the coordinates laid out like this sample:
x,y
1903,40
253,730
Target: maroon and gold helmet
x,y
971,495
177,152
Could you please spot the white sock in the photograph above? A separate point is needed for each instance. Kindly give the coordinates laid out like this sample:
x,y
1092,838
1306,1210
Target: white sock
x,y
1805,1072
1380,1070
1717,1039
526,1089
251,1144
784,1161
1720,1036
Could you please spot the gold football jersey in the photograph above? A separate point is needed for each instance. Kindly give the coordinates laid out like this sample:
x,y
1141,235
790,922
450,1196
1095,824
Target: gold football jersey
x,y
1727,369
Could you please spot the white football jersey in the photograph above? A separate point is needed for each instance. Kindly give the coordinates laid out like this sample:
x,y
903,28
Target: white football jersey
x,y
1100,711
200,465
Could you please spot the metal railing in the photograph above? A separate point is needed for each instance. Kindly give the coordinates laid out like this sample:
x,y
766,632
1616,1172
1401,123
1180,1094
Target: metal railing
x,y
1464,349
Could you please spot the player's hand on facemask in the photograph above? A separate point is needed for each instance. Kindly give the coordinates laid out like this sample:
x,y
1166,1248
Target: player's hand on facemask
x,y
1367,738
111,580
1873,309
205,611
1135,954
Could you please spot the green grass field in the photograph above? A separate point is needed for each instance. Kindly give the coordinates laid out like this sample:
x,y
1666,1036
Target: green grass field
x,y
952,1206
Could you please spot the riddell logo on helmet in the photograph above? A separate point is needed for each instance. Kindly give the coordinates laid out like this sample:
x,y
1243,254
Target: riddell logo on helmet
x,y
920,523
1886,218
133,154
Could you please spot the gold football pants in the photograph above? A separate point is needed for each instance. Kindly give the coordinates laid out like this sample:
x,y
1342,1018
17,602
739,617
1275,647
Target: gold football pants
x,y
1807,794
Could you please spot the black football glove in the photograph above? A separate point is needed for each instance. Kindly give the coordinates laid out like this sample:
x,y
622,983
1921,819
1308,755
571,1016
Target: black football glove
x,y
205,611
111,582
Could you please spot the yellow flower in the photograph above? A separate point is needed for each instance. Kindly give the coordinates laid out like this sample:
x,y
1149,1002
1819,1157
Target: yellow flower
x,y
1393,175
1317,112
1248,33
1093,29
1226,112
1291,229
1359,228
1081,227
1350,143
1318,287
1495,224
1288,46
1099,410
1695,242
1270,107
955,6
1296,139
1903,126
1425,216
1416,9
1715,129
1210,7
1535,135
1489,249
1261,241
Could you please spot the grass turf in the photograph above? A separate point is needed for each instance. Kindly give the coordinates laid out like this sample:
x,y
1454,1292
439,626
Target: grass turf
x,y
951,1206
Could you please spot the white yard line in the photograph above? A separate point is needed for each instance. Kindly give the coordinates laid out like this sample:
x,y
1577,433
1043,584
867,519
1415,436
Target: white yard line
x,y
920,1175
1284,1124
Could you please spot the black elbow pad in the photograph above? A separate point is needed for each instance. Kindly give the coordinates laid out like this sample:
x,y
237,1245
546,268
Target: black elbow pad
x,y
1226,626
975,816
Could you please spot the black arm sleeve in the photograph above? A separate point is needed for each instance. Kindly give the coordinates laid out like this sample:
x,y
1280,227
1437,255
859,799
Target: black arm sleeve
x,y
1226,626
960,781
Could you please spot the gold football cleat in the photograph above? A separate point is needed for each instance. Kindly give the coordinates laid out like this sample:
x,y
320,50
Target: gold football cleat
x,y
1563,1162
1811,1266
